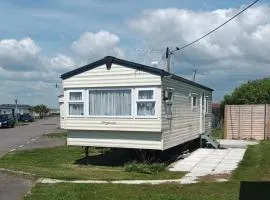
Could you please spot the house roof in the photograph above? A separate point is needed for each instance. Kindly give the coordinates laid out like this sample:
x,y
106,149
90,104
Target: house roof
x,y
109,60
13,106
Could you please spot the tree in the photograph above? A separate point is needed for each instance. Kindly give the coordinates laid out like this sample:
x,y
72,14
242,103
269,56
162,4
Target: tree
x,y
41,110
252,92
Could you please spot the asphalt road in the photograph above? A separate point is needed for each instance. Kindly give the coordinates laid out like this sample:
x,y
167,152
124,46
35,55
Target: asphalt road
x,y
19,138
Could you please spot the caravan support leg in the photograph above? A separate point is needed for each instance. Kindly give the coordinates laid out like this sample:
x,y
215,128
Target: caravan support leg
x,y
86,151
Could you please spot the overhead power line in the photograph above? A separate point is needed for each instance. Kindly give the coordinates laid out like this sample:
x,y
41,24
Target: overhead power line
x,y
212,31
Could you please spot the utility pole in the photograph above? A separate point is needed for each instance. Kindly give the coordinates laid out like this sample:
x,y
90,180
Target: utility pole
x,y
168,57
194,75
16,110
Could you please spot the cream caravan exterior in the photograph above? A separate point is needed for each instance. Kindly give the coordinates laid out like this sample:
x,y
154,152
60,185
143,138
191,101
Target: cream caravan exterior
x,y
117,103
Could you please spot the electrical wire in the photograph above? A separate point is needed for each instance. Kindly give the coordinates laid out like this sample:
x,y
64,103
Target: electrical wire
x,y
212,31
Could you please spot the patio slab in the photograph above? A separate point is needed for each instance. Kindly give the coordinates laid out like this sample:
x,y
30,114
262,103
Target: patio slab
x,y
203,162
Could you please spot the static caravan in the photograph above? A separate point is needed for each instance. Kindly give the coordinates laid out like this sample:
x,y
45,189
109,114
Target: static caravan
x,y
118,103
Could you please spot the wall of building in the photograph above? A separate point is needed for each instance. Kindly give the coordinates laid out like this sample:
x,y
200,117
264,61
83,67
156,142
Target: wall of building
x,y
117,76
185,124
117,139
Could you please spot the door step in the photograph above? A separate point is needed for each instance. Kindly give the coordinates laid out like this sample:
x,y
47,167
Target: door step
x,y
210,141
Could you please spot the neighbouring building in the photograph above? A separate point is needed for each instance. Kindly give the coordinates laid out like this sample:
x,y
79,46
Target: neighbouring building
x,y
11,109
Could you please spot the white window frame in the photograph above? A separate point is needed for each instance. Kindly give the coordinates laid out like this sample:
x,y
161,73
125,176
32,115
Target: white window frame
x,y
109,116
192,101
82,101
136,98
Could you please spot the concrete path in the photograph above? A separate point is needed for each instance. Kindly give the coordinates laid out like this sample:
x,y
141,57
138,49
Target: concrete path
x,y
203,162
242,144
13,187
128,182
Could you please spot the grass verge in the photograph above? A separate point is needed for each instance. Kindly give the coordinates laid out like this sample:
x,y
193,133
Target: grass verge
x,y
218,133
145,168
68,163
203,191
61,135
255,166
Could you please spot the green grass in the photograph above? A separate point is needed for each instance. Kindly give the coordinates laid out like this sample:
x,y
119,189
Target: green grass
x,y
145,168
210,191
61,135
254,167
60,162
218,133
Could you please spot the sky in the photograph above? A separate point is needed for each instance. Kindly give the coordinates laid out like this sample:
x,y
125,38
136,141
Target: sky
x,y
41,39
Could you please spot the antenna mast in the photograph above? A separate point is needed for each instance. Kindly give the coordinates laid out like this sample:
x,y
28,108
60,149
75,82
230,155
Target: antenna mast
x,y
168,57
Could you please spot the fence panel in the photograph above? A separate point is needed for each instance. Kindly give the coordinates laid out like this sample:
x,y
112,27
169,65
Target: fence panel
x,y
247,121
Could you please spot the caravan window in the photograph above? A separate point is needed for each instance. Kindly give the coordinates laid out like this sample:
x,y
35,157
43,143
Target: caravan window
x,y
76,103
146,102
193,101
110,102
73,96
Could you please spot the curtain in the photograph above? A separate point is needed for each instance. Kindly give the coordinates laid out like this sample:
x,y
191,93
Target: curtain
x,y
145,108
75,96
76,109
110,102
146,94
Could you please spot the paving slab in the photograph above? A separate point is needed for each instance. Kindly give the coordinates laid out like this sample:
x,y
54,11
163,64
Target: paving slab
x,y
204,162
241,144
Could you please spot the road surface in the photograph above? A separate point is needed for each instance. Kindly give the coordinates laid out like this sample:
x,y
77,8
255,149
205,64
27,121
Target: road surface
x,y
23,137
20,136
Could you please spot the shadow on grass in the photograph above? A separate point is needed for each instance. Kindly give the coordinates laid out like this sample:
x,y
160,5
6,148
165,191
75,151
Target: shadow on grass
x,y
120,157
112,158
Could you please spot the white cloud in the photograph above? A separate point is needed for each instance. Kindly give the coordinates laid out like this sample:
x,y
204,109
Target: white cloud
x,y
19,55
25,71
28,75
61,63
237,52
91,46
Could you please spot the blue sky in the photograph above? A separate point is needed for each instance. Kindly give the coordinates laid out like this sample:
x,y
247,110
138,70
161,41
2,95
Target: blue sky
x,y
41,39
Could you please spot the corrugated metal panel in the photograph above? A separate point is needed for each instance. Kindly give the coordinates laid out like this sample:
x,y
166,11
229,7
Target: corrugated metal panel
x,y
117,139
185,123
117,76
245,122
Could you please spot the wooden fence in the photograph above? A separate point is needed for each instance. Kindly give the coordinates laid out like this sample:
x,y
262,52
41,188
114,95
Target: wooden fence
x,y
247,122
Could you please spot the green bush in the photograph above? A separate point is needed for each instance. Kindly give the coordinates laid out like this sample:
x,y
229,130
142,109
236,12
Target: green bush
x,y
145,168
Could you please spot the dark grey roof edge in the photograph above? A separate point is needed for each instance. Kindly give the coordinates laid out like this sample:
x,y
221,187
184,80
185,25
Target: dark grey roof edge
x,y
108,60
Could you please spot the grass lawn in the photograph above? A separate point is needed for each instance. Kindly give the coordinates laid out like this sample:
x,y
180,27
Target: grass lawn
x,y
218,133
69,163
61,135
255,166
203,191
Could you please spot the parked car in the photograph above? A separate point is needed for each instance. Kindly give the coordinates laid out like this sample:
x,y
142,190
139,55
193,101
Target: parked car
x,y
26,118
6,121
